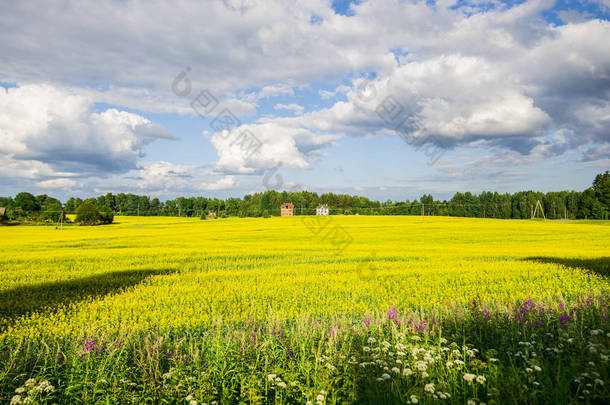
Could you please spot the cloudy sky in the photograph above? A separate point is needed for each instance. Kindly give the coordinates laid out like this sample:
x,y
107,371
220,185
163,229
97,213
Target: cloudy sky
x,y
383,98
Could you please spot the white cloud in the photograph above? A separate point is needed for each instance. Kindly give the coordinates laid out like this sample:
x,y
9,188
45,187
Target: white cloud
x,y
297,109
62,183
502,76
250,148
57,130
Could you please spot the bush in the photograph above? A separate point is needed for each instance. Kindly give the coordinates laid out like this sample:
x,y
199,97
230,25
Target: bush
x,y
266,214
88,214
107,216
204,215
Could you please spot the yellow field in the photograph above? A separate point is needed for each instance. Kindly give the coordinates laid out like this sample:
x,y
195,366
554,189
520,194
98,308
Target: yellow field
x,y
192,272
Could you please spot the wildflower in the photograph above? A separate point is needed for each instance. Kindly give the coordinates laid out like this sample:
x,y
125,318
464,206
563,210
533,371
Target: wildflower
x,y
407,372
599,382
415,338
449,363
469,377
537,368
429,388
396,370
481,379
366,349
471,402
271,377
414,399
281,384
320,398
385,376
529,370
19,390
425,375
371,340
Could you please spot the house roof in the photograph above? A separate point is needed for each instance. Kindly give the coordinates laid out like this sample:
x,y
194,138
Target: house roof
x,y
291,205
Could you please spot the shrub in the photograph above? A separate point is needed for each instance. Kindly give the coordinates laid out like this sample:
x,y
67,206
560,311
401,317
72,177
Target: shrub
x,y
88,214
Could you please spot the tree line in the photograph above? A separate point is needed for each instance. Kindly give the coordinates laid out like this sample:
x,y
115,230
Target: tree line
x,y
591,203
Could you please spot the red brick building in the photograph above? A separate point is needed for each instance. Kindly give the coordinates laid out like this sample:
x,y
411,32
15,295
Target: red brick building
x,y
287,209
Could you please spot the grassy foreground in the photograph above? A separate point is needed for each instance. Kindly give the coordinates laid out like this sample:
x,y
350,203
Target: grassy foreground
x,y
320,310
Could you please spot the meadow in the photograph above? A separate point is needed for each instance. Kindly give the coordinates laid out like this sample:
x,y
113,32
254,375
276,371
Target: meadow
x,y
342,309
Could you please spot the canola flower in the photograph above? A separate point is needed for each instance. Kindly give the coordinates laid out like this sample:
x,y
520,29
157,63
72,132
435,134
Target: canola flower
x,y
266,311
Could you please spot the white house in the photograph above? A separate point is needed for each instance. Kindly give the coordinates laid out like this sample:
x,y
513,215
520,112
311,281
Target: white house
x,y
322,210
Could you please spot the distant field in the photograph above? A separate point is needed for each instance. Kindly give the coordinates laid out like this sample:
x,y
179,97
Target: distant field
x,y
241,269
369,309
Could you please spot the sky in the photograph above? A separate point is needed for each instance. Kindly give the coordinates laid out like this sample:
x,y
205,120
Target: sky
x,y
387,99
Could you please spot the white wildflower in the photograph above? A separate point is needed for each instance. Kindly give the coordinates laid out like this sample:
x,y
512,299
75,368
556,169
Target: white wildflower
x,y
469,377
429,388
414,399
481,379
407,372
371,340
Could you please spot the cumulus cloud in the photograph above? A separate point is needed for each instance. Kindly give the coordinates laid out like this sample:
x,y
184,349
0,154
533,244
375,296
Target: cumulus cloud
x,y
464,74
169,177
251,148
56,132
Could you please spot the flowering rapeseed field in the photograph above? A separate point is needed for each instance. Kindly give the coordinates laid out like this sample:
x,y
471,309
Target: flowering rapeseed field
x,y
284,310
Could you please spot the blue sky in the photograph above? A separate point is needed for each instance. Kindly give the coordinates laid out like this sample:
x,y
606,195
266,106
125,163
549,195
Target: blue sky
x,y
500,96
